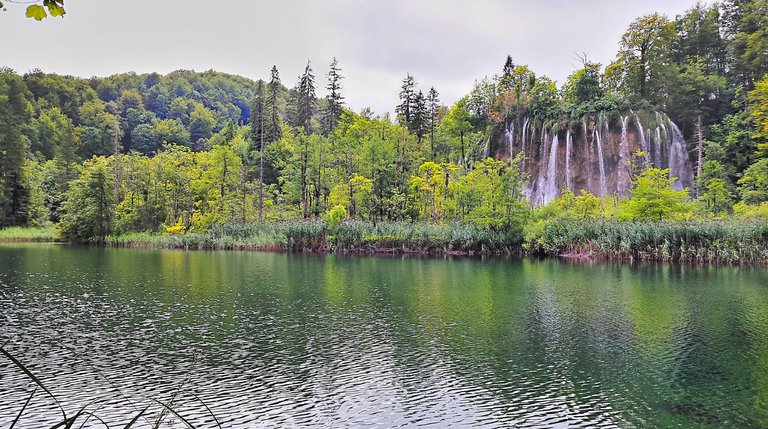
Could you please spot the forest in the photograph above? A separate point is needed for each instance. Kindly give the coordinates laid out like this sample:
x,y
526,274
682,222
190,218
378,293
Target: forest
x,y
190,154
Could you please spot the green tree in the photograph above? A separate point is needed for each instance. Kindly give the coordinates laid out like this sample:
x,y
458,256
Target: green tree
x,y
641,67
306,101
433,104
201,123
15,113
172,131
758,102
584,85
753,186
714,189
90,203
257,138
653,198
272,130
334,100
404,110
457,124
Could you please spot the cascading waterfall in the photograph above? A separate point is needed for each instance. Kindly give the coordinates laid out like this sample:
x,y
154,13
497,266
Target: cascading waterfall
x,y
624,161
511,139
678,159
598,156
550,193
522,143
568,145
643,142
601,162
541,179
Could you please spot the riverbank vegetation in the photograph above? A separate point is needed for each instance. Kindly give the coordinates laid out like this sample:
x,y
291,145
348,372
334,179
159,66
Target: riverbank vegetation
x,y
29,234
210,160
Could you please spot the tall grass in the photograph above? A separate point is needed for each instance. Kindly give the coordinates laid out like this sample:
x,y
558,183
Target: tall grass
x,y
29,234
728,241
697,241
349,236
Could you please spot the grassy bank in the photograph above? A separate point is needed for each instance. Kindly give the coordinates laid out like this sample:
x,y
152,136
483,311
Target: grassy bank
x,y
27,234
728,242
711,241
347,237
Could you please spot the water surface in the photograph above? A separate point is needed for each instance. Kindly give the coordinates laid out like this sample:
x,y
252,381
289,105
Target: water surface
x,y
308,341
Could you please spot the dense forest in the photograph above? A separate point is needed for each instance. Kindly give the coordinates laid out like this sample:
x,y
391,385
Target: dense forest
x,y
187,151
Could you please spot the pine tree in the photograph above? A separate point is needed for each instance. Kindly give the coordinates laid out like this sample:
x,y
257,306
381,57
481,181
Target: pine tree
x,y
433,102
305,99
507,74
271,108
305,107
420,116
407,95
257,138
335,101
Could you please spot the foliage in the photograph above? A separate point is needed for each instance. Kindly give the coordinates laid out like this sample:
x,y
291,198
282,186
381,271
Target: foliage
x,y
335,215
654,199
88,211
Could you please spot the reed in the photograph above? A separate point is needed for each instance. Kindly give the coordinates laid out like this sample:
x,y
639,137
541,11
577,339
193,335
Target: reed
x,y
79,416
351,236
715,241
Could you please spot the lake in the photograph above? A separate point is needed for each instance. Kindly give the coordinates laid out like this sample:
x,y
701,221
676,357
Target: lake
x,y
268,340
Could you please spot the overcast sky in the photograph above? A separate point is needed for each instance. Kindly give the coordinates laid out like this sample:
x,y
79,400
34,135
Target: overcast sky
x,y
446,44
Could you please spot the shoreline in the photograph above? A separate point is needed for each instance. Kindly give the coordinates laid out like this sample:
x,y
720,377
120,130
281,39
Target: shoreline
x,y
730,242
584,257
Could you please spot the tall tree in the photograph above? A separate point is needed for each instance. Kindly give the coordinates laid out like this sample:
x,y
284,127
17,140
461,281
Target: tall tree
x,y
257,138
305,107
306,100
272,109
334,99
433,103
404,110
90,204
15,112
420,116
746,29
642,65
507,73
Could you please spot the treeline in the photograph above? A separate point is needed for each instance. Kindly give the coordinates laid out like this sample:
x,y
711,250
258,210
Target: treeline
x,y
187,151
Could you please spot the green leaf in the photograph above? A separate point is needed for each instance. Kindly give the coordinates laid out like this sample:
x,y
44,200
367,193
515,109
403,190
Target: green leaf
x,y
37,12
55,7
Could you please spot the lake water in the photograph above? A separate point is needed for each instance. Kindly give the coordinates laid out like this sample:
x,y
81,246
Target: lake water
x,y
278,340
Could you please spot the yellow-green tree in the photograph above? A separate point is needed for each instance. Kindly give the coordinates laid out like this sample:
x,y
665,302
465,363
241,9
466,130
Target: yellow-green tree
x,y
653,198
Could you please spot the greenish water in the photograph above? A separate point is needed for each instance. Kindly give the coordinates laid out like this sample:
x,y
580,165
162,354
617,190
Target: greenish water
x,y
281,340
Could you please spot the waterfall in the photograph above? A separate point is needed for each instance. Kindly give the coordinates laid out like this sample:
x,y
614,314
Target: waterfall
x,y
624,161
550,193
678,159
643,142
568,144
657,155
601,162
541,179
522,143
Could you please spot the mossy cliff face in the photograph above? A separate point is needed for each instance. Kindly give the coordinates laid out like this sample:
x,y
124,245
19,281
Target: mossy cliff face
x,y
598,154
